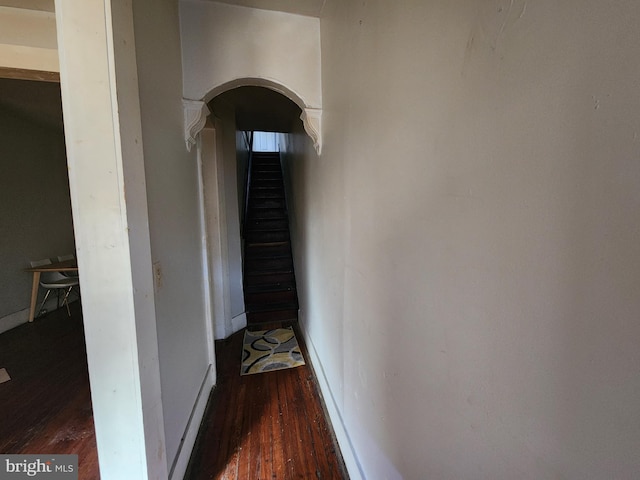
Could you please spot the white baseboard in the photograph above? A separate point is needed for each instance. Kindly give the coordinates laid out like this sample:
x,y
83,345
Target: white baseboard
x,y
181,462
238,323
13,320
348,453
18,318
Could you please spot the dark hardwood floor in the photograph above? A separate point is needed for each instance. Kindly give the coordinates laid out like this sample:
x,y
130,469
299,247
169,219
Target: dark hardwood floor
x,y
263,426
46,406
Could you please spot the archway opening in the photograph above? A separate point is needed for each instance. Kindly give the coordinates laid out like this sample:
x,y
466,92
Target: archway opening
x,y
235,115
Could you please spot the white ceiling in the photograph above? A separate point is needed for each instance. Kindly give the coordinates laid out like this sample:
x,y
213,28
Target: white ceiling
x,y
309,8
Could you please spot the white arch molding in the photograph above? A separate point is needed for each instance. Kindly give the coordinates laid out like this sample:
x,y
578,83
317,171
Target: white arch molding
x,y
196,111
195,116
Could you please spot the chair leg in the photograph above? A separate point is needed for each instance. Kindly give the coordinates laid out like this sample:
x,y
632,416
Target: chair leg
x,y
65,300
43,301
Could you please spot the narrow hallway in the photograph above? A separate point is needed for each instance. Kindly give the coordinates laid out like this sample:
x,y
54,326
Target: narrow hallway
x,y
264,426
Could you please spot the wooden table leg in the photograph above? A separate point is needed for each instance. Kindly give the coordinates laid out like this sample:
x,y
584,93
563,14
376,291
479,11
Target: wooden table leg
x,y
34,295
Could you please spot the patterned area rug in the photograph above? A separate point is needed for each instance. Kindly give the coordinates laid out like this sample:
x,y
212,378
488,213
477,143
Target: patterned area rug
x,y
268,350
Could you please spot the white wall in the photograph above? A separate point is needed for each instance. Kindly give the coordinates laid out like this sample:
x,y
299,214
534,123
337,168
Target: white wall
x,y
35,208
467,246
105,156
223,43
265,142
220,171
140,253
234,244
171,175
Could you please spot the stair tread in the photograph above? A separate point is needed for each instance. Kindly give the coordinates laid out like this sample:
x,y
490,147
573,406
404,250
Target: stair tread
x,y
271,307
266,271
266,254
264,228
267,244
270,288
262,272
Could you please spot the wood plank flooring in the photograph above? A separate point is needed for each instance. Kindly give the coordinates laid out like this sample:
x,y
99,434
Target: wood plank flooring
x,y
46,406
264,426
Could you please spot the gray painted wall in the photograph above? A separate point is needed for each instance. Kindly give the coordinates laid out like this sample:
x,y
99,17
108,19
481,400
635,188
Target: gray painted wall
x,y
35,208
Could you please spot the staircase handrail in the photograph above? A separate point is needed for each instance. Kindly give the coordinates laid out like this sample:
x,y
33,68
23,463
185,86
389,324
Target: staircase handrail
x,y
247,183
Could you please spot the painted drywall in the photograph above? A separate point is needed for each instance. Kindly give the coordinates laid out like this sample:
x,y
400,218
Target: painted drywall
x,y
223,43
36,208
171,176
216,226
467,246
227,135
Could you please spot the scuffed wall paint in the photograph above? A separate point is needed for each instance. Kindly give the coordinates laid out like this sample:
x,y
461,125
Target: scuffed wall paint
x,y
469,236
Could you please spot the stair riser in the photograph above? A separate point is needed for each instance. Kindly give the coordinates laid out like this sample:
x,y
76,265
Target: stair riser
x,y
266,237
267,193
267,203
267,213
260,161
266,224
269,265
262,280
273,316
256,252
262,183
268,288
264,174
254,301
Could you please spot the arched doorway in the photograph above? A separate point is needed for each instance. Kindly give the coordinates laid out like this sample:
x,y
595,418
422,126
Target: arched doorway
x,y
235,110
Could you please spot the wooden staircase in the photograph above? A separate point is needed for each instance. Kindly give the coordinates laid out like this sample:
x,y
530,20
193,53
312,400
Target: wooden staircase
x,y
269,280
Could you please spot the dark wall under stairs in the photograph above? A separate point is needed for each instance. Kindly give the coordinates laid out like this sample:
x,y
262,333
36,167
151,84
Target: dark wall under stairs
x,y
269,279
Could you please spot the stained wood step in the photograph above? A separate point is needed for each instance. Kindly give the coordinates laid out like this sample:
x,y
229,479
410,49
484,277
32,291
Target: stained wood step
x,y
267,193
266,236
261,224
271,287
261,158
277,264
265,182
265,213
265,173
266,167
274,307
263,279
267,251
266,203
284,314
261,300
